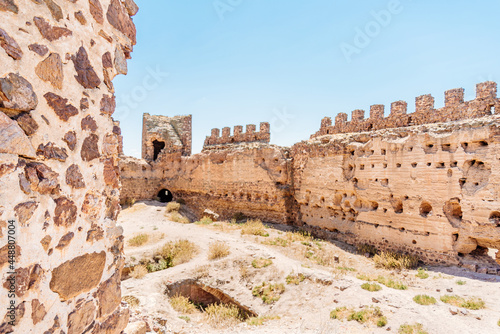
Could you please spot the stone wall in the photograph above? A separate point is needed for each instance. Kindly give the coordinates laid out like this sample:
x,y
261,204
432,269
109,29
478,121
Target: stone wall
x,y
428,189
59,163
455,109
216,141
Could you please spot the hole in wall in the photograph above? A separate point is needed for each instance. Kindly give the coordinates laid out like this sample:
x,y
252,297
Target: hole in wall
x,y
425,209
165,196
158,146
495,218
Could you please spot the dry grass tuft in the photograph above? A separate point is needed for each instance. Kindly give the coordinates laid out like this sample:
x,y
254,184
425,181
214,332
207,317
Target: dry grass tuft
x,y
138,240
412,329
132,301
370,315
218,250
182,304
393,260
295,279
172,207
178,218
268,292
372,287
388,282
422,273
204,221
220,315
172,254
254,227
424,300
472,303
261,263
259,321
139,272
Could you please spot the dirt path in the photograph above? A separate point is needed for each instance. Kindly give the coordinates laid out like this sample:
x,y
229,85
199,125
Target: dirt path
x,y
303,308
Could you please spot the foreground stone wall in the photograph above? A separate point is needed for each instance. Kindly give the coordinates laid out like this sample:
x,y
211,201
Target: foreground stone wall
x,y
58,163
428,189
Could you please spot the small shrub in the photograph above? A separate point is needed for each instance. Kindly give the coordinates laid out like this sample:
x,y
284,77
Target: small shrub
x,y
366,249
422,273
205,221
185,318
372,287
259,321
220,315
390,283
371,315
218,250
364,277
172,207
138,240
139,272
295,279
393,260
261,263
182,304
132,301
254,227
412,329
424,300
473,303
178,218
460,282
269,293
171,254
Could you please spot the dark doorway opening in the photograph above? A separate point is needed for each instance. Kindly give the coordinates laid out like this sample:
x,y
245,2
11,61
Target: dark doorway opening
x,y
165,196
157,146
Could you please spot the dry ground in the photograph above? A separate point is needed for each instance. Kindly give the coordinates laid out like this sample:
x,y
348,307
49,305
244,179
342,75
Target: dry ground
x,y
302,308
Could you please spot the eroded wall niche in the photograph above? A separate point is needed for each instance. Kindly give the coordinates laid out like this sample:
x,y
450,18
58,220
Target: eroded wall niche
x,y
422,183
59,162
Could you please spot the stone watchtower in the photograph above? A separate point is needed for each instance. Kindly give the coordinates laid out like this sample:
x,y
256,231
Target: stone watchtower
x,y
163,135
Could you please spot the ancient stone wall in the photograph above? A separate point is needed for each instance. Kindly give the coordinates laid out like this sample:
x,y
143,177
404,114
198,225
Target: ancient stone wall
x,y
216,141
428,189
163,135
455,108
59,163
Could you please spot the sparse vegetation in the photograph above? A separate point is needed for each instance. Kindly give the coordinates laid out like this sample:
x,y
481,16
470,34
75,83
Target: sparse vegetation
x,y
259,321
412,329
201,271
424,300
182,304
261,263
422,273
295,279
218,250
390,283
367,249
185,318
472,303
371,315
268,292
172,207
138,240
204,221
461,282
346,269
132,301
372,287
221,315
178,218
254,227
139,272
393,260
172,254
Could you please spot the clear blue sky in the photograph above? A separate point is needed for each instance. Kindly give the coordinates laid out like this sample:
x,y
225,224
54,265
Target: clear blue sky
x,y
291,62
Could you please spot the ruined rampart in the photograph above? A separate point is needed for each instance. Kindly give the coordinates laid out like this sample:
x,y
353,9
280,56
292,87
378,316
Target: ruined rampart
x,y
59,183
429,189
216,141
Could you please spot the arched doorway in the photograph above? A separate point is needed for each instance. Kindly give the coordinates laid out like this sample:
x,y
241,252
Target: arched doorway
x,y
165,196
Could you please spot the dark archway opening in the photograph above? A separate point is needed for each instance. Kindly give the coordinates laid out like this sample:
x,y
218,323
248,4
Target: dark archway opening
x,y
165,196
157,147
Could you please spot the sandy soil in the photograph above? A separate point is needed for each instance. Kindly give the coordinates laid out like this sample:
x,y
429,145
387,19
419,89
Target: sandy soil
x,y
303,308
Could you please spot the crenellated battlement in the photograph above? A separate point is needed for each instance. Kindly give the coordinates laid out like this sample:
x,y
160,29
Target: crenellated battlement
x,y
239,137
456,108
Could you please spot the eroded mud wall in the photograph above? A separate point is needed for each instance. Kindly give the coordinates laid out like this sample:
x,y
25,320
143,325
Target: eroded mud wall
x,y
58,162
